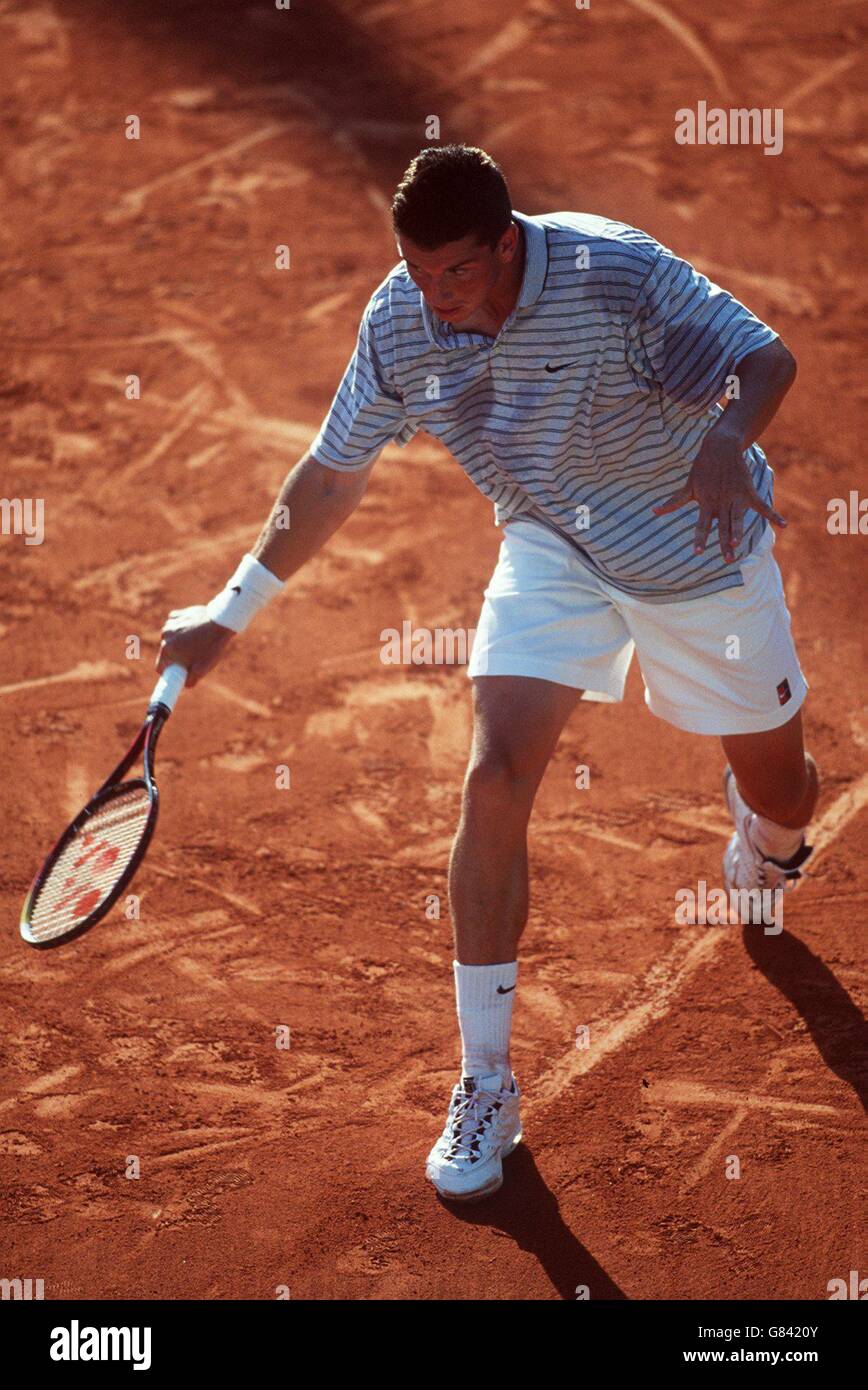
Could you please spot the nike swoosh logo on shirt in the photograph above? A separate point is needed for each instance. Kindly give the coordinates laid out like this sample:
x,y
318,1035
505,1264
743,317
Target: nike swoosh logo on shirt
x,y
560,366
501,990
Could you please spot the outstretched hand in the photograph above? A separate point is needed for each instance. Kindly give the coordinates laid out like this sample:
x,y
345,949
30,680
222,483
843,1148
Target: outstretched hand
x,y
192,639
719,482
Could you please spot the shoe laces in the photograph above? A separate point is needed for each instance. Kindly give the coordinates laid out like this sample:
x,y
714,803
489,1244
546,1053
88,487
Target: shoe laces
x,y
471,1114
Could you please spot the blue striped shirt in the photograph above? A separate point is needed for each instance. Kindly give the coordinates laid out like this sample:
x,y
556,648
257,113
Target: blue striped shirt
x,y
585,410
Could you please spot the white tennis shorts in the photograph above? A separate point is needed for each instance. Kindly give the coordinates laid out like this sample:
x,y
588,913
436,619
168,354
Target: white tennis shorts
x,y
721,664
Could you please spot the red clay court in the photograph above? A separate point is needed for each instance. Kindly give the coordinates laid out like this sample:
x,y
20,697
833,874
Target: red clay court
x,y
304,1167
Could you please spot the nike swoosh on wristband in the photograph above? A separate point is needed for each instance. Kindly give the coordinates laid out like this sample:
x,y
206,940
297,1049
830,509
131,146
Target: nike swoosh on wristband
x,y
501,990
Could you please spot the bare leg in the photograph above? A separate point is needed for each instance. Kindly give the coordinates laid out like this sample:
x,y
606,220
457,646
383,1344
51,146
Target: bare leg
x,y
517,723
774,774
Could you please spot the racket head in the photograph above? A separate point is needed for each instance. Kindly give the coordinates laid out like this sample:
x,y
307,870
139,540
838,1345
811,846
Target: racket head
x,y
91,864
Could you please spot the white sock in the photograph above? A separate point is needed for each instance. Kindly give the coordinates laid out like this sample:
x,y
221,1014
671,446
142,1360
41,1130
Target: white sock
x,y
773,840
484,996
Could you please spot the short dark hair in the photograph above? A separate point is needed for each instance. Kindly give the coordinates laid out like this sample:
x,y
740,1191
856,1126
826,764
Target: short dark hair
x,y
448,192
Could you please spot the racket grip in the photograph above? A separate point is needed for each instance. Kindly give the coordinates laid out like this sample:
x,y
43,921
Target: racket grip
x,y
168,687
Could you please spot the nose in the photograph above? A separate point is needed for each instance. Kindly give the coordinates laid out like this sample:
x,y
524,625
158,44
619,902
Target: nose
x,y
439,297
432,289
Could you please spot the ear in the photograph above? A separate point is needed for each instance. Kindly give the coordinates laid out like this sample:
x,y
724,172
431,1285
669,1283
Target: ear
x,y
508,244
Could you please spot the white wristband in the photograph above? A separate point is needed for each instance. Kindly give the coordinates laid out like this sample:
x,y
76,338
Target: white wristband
x,y
249,589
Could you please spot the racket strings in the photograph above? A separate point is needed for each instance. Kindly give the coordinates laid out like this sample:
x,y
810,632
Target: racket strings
x,y
91,864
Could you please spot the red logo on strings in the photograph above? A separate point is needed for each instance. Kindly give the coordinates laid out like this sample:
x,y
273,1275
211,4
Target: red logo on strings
x,y
98,855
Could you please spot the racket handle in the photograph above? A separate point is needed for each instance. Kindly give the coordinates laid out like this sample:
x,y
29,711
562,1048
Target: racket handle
x,y
168,687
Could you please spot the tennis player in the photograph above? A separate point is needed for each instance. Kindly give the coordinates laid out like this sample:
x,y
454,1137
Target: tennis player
x,y
576,369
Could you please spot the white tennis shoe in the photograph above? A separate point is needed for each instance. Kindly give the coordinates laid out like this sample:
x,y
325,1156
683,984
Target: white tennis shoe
x,y
744,865
482,1128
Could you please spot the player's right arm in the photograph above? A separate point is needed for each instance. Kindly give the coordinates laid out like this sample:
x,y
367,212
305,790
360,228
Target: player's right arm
x,y
317,497
314,501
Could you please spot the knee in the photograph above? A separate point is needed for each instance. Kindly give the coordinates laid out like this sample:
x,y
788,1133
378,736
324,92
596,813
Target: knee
x,y
500,777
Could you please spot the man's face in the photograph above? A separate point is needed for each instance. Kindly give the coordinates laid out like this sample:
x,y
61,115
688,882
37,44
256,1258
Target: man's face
x,y
457,278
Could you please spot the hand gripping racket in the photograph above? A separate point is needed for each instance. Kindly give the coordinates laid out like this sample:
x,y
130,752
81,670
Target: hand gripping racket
x,y
99,852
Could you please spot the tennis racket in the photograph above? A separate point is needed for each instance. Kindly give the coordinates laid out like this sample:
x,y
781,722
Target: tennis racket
x,y
99,852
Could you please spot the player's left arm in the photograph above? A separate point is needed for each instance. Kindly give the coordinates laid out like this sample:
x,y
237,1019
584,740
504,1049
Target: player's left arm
x,y
719,481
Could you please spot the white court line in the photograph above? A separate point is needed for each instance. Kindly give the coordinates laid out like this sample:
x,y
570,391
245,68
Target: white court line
x,y
512,36
132,202
611,1032
827,73
832,822
699,1170
186,412
694,1093
84,671
244,904
686,35
592,832
234,698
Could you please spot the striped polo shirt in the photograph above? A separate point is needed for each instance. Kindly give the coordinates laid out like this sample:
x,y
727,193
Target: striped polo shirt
x,y
584,411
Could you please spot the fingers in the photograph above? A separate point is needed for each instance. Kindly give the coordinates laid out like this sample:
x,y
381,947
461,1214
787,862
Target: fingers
x,y
167,657
765,510
678,499
190,638
177,618
167,652
730,529
197,670
728,512
703,526
724,533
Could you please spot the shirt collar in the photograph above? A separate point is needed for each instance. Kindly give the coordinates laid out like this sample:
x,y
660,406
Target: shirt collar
x,y
536,260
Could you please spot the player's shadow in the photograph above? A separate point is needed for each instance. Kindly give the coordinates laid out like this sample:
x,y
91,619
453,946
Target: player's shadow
x,y
342,71
527,1212
836,1024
